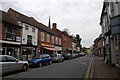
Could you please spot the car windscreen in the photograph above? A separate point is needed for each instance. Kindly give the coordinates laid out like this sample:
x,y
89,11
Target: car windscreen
x,y
53,55
39,56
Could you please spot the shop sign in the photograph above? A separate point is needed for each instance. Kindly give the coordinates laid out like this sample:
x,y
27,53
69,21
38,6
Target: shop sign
x,y
18,38
47,45
57,47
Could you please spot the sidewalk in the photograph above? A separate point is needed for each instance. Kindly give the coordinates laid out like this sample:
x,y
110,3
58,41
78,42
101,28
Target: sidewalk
x,y
102,70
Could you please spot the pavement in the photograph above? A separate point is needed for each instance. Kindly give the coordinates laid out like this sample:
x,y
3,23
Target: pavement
x,y
98,69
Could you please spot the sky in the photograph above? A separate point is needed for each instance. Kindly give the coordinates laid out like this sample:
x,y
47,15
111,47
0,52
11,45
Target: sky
x,y
78,16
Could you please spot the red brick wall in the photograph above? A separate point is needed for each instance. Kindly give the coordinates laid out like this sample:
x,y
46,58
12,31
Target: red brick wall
x,y
18,32
1,31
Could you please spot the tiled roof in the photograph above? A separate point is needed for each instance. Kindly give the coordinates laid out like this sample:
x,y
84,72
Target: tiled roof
x,y
31,21
6,17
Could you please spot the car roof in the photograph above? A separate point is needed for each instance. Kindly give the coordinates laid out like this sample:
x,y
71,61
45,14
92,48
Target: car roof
x,y
4,55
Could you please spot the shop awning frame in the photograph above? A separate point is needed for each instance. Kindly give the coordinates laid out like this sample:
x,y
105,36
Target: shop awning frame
x,y
51,49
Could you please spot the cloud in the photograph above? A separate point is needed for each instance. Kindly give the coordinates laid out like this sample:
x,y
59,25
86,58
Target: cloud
x,y
79,16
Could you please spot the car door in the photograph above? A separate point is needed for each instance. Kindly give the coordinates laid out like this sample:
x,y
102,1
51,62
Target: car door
x,y
5,68
12,63
46,58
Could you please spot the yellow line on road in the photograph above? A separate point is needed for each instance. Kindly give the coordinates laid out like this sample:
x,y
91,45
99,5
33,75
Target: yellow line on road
x,y
88,70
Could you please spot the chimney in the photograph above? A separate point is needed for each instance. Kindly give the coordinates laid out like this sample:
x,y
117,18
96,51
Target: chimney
x,y
54,25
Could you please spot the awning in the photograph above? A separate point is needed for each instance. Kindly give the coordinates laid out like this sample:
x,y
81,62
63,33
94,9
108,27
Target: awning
x,y
52,49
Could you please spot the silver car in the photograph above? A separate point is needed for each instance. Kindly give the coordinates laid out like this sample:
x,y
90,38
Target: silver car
x,y
10,64
57,58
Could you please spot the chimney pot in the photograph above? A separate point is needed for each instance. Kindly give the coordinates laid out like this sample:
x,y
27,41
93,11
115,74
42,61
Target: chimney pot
x,y
54,25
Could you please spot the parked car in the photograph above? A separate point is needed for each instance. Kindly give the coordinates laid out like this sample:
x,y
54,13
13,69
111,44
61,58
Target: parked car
x,y
82,54
40,60
75,55
10,64
67,56
57,58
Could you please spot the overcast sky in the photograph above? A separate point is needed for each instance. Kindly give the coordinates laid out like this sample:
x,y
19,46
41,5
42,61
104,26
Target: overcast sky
x,y
79,16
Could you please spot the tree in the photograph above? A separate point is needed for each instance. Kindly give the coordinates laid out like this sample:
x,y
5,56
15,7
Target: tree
x,y
67,30
78,39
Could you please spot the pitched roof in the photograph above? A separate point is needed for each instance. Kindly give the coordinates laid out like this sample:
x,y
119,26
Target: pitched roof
x,y
31,21
6,17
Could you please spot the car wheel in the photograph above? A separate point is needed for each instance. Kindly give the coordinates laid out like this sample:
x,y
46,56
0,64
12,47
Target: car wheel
x,y
25,68
58,61
40,64
50,62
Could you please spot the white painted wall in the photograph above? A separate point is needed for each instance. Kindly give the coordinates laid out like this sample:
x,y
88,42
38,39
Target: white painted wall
x,y
29,32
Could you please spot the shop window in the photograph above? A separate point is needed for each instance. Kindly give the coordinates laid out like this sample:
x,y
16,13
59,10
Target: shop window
x,y
2,51
9,51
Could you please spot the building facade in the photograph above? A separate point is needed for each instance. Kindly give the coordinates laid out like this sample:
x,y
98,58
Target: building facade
x,y
110,23
49,41
10,37
66,40
29,35
24,37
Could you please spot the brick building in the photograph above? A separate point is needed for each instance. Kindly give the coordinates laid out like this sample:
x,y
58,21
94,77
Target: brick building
x,y
66,40
10,36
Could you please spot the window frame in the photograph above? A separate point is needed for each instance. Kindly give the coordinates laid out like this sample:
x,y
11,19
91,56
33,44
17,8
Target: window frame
x,y
26,27
33,30
42,36
12,33
53,37
48,38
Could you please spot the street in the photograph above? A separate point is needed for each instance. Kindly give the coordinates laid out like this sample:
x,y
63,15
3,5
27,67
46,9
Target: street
x,y
75,68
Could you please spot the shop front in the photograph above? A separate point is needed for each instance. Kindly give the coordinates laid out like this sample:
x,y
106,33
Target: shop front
x,y
59,49
28,53
48,49
10,49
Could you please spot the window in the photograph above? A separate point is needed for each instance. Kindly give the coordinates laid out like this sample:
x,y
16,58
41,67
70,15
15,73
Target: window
x,y
10,59
29,39
53,39
48,38
42,36
3,59
56,40
33,30
10,33
26,27
59,41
